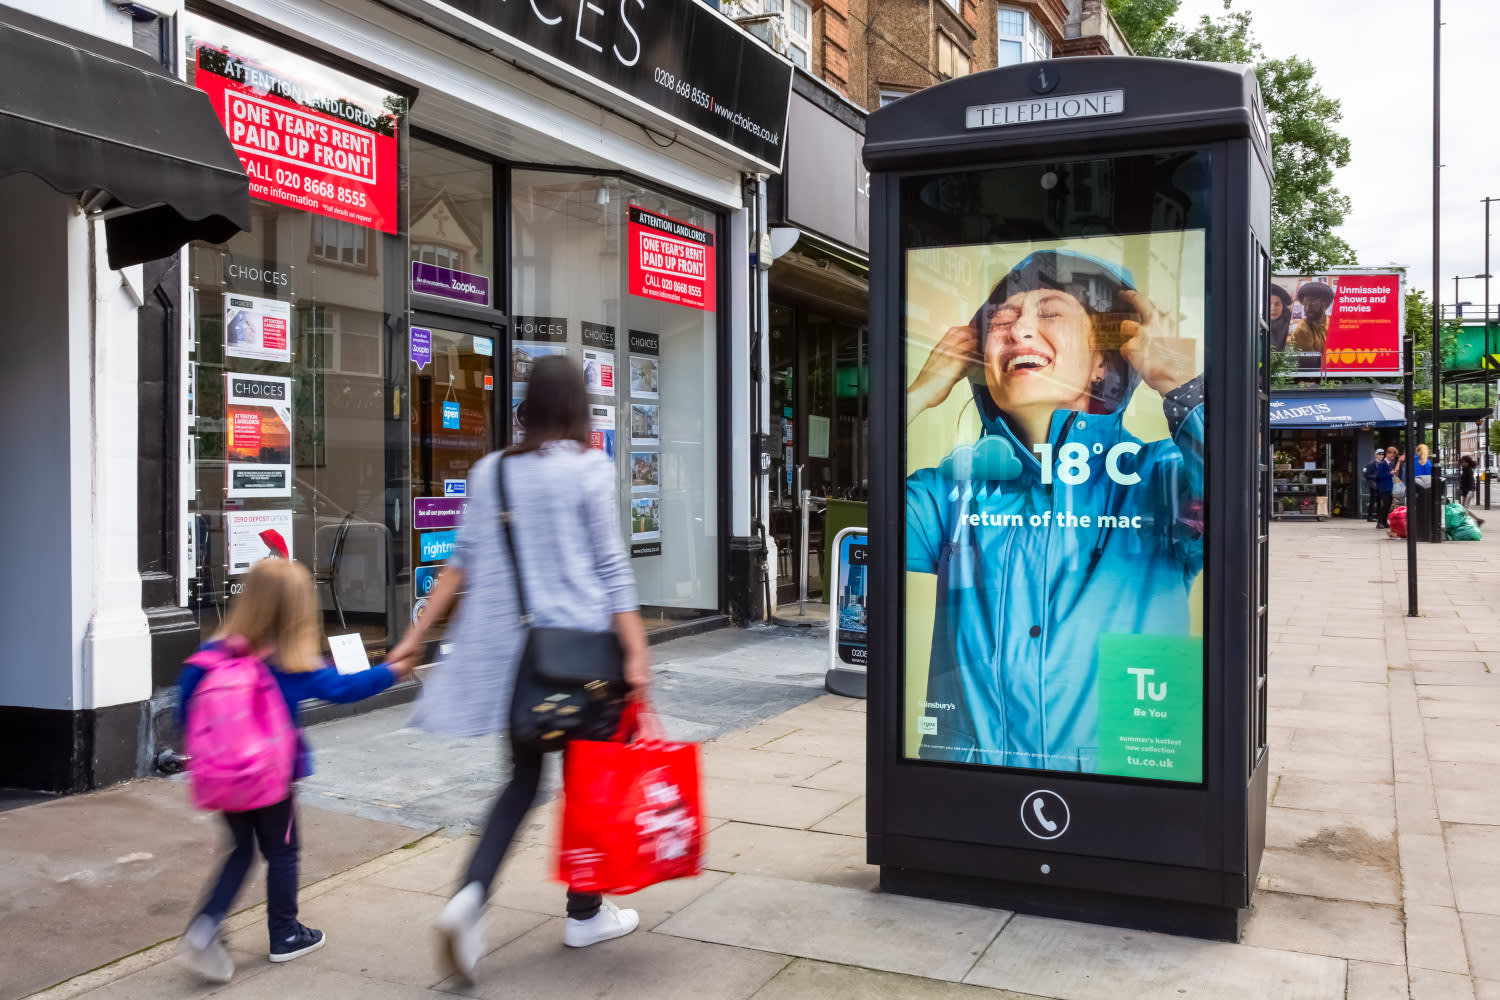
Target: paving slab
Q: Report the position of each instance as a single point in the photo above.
(1362, 872)
(1059, 958)
(849, 821)
(1295, 791)
(1339, 928)
(323, 982)
(119, 870)
(1434, 939)
(1474, 861)
(841, 776)
(850, 926)
(770, 805)
(1375, 981)
(1425, 984)
(801, 855)
(804, 979)
(1482, 938)
(641, 966)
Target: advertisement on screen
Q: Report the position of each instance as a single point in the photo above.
(1337, 324)
(1054, 511)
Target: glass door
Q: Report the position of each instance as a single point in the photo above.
(453, 421)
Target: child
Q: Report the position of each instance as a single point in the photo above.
(275, 617)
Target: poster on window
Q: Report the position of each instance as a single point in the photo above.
(645, 424)
(258, 447)
(602, 428)
(253, 535)
(309, 137)
(1054, 504)
(645, 471)
(599, 373)
(645, 377)
(257, 328)
(670, 260)
(645, 526)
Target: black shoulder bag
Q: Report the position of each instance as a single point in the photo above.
(570, 684)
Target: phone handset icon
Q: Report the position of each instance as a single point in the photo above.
(1045, 814)
(1041, 817)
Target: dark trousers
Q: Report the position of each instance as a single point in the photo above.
(1372, 504)
(514, 802)
(275, 829)
(1382, 510)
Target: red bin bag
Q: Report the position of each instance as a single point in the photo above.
(1397, 520)
(632, 809)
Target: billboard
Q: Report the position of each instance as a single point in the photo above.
(1338, 324)
(1054, 506)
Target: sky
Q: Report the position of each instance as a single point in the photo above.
(1375, 57)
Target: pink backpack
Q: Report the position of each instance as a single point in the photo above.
(240, 740)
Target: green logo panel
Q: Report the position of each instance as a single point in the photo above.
(1151, 706)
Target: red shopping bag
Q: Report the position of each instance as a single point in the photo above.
(1397, 520)
(632, 809)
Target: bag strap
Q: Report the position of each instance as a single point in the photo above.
(506, 518)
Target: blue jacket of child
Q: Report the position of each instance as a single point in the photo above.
(328, 684)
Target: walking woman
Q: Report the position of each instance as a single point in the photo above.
(561, 496)
(1419, 508)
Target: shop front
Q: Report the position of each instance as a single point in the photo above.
(429, 220)
(818, 352)
(1322, 440)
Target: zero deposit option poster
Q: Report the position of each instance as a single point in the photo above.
(308, 136)
(1054, 495)
(670, 260)
(254, 535)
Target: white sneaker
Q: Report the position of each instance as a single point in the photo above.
(203, 952)
(461, 937)
(610, 922)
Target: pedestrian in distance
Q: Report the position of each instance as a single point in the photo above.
(1372, 487)
(560, 495)
(1419, 505)
(1384, 487)
(238, 706)
(1466, 479)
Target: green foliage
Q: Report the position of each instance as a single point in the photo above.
(1306, 147)
(1495, 435)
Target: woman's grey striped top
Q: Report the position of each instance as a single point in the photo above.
(567, 531)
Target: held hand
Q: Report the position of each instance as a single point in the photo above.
(1151, 345)
(638, 672)
(946, 366)
(409, 649)
(402, 668)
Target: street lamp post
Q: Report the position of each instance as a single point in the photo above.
(1437, 249)
(1484, 426)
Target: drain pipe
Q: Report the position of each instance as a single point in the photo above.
(760, 387)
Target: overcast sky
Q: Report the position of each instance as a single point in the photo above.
(1375, 57)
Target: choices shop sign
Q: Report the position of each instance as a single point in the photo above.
(679, 57)
(309, 137)
(1338, 324)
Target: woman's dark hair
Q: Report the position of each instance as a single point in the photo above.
(557, 405)
(1281, 325)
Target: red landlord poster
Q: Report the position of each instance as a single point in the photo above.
(302, 139)
(670, 260)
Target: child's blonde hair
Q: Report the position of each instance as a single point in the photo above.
(277, 607)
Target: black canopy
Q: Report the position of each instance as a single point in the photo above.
(106, 123)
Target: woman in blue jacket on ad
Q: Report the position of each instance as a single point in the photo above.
(1058, 529)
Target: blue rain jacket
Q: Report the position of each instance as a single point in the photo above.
(1020, 609)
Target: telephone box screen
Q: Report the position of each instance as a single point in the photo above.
(1054, 507)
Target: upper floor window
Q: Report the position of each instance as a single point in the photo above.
(1019, 38)
(952, 61)
(957, 5)
(338, 242)
(892, 96)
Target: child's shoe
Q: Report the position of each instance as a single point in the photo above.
(303, 941)
(203, 952)
(461, 938)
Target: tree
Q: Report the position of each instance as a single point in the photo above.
(1495, 435)
(1306, 147)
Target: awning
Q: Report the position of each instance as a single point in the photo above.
(108, 125)
(1336, 410)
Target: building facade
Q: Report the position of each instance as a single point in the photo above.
(439, 195)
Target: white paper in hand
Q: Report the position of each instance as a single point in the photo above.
(349, 653)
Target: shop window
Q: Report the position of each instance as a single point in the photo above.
(623, 278)
(292, 447)
(452, 225)
(952, 60)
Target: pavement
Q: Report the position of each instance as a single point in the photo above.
(1381, 877)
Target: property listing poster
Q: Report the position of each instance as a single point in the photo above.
(253, 535)
(1054, 513)
(308, 136)
(257, 328)
(258, 450)
(599, 358)
(645, 443)
(536, 337)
